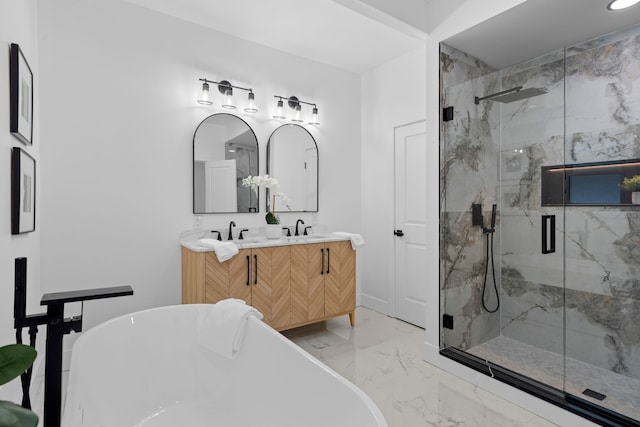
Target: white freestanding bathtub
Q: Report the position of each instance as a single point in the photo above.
(147, 369)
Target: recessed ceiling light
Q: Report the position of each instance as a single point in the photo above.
(621, 4)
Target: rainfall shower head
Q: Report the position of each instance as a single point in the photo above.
(511, 95)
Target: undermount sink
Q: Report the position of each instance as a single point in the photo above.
(250, 240)
(309, 237)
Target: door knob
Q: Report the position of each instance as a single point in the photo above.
(398, 233)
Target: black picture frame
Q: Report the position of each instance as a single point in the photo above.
(23, 192)
(21, 95)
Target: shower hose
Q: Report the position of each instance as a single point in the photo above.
(489, 235)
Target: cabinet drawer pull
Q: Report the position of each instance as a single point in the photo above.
(322, 263)
(248, 270)
(328, 260)
(255, 278)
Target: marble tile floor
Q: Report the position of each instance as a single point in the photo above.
(623, 393)
(383, 356)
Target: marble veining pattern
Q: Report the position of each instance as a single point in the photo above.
(383, 356)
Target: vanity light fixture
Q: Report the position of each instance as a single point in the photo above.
(297, 113)
(226, 88)
(228, 104)
(251, 108)
(621, 4)
(294, 103)
(204, 95)
(314, 116)
(279, 111)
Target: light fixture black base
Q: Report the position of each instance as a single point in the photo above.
(597, 414)
(224, 86)
(293, 102)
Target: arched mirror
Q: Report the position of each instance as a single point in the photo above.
(292, 158)
(225, 150)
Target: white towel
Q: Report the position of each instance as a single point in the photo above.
(356, 239)
(221, 326)
(223, 250)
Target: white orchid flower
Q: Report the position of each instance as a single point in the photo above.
(255, 182)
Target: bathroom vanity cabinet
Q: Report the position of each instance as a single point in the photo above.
(290, 284)
(323, 281)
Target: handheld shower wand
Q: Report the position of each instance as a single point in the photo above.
(489, 232)
(492, 228)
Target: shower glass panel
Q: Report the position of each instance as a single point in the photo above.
(469, 164)
(602, 243)
(551, 293)
(504, 286)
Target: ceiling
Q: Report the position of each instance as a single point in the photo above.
(358, 35)
(536, 27)
(348, 34)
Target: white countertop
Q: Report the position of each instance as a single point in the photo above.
(261, 242)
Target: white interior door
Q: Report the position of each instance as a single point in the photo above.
(410, 227)
(220, 186)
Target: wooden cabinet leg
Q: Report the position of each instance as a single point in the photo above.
(352, 318)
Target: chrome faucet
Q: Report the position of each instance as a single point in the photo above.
(231, 225)
(297, 223)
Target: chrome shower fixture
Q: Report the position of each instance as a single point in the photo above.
(513, 94)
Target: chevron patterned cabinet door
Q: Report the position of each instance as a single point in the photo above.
(307, 283)
(340, 278)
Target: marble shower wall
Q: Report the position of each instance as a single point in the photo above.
(494, 151)
(468, 174)
(600, 245)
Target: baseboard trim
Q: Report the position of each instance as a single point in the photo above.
(375, 304)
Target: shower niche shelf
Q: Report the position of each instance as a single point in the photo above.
(588, 184)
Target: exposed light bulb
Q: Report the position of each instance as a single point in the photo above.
(296, 115)
(621, 4)
(314, 117)
(204, 95)
(279, 111)
(228, 100)
(251, 108)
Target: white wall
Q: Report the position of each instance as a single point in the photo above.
(17, 25)
(392, 95)
(119, 85)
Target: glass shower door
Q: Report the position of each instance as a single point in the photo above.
(603, 233)
(502, 287)
(531, 224)
(469, 156)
